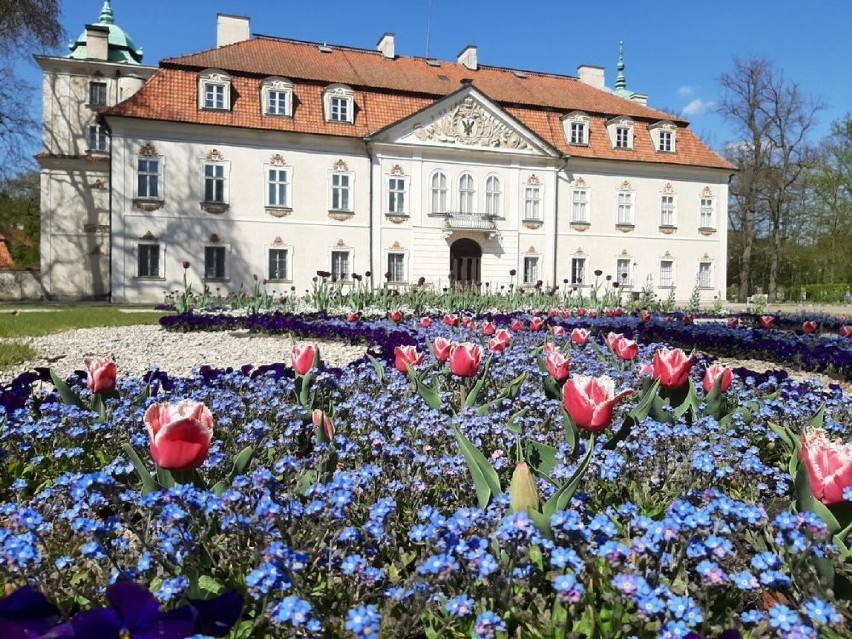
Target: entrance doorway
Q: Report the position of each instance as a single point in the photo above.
(466, 262)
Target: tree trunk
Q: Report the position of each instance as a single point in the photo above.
(774, 262)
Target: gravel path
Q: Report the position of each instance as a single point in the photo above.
(136, 349)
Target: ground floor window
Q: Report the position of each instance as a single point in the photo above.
(278, 266)
(341, 265)
(531, 270)
(622, 271)
(214, 262)
(396, 268)
(148, 263)
(666, 273)
(705, 275)
(578, 270)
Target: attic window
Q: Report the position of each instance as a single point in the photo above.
(664, 134)
(324, 48)
(339, 103)
(444, 78)
(433, 63)
(214, 90)
(277, 96)
(521, 74)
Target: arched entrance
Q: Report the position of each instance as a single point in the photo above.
(466, 261)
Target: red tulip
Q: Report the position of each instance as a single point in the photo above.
(766, 321)
(442, 348)
(622, 347)
(809, 327)
(396, 316)
(496, 345)
(179, 434)
(101, 375)
(618, 311)
(320, 417)
(504, 336)
(644, 315)
(647, 370)
(845, 331)
(468, 323)
(425, 322)
(488, 329)
(566, 313)
(552, 312)
(733, 322)
(549, 347)
(558, 331)
(608, 312)
(351, 316)
(829, 465)
(517, 325)
(713, 372)
(536, 324)
(581, 312)
(302, 359)
(534, 313)
(591, 400)
(406, 355)
(465, 358)
(451, 319)
(593, 313)
(580, 336)
(557, 366)
(672, 367)
(688, 320)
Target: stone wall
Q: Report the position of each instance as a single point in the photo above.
(20, 286)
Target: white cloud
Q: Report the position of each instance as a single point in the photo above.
(696, 107)
(685, 91)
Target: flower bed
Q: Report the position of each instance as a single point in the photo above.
(485, 490)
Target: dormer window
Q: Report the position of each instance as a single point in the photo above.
(214, 90)
(622, 137)
(276, 97)
(621, 132)
(339, 104)
(663, 135)
(576, 128)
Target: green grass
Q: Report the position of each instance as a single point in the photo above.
(14, 353)
(54, 320)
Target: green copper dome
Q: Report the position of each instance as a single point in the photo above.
(121, 46)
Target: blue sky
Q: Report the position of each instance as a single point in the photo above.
(675, 50)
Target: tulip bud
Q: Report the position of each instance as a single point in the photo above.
(323, 424)
(522, 490)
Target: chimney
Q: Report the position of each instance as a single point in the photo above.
(641, 98)
(97, 42)
(386, 46)
(468, 57)
(231, 29)
(591, 75)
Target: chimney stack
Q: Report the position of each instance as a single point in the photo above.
(97, 42)
(231, 29)
(387, 46)
(591, 75)
(468, 57)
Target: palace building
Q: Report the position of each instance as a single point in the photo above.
(274, 158)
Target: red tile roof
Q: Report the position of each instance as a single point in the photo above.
(388, 90)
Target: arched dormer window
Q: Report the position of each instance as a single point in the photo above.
(576, 128)
(214, 90)
(339, 104)
(663, 135)
(276, 96)
(620, 132)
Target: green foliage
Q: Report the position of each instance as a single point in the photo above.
(20, 220)
(14, 353)
(824, 293)
(44, 322)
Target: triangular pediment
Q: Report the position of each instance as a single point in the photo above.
(466, 119)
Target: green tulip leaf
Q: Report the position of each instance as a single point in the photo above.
(67, 396)
(805, 501)
(429, 395)
(242, 461)
(572, 433)
(473, 395)
(165, 478)
(552, 390)
(818, 419)
(560, 499)
(542, 458)
(513, 424)
(149, 484)
(380, 370)
(485, 478)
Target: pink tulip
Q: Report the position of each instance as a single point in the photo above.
(465, 359)
(552, 312)
(845, 331)
(496, 345)
(618, 311)
(396, 316)
(488, 329)
(504, 336)
(609, 312)
(517, 325)
(809, 327)
(688, 320)
(536, 324)
(549, 347)
(623, 348)
(829, 465)
(320, 417)
(766, 321)
(557, 366)
(733, 322)
(580, 336)
(566, 313)
(558, 331)
(425, 322)
(442, 348)
(179, 434)
(591, 400)
(407, 355)
(352, 316)
(101, 375)
(302, 359)
(468, 323)
(451, 320)
(593, 313)
(713, 372)
(672, 367)
(581, 312)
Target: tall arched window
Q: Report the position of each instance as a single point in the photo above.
(439, 192)
(492, 196)
(467, 194)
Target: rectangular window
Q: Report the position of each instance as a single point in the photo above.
(706, 213)
(665, 141)
(340, 109)
(666, 273)
(149, 260)
(341, 191)
(625, 208)
(705, 279)
(278, 264)
(530, 270)
(578, 270)
(580, 206)
(148, 178)
(97, 94)
(396, 195)
(532, 203)
(276, 103)
(667, 210)
(622, 271)
(622, 138)
(214, 96)
(98, 139)
(214, 263)
(340, 270)
(578, 133)
(396, 268)
(278, 187)
(214, 183)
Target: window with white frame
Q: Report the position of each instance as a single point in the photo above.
(278, 103)
(625, 207)
(667, 210)
(215, 182)
(575, 126)
(341, 192)
(622, 137)
(214, 90)
(663, 135)
(278, 264)
(277, 97)
(578, 133)
(278, 186)
(492, 196)
(706, 213)
(215, 262)
(705, 275)
(620, 131)
(467, 194)
(666, 273)
(622, 272)
(531, 270)
(341, 265)
(396, 195)
(98, 138)
(339, 103)
(396, 268)
(580, 206)
(148, 177)
(578, 270)
(439, 192)
(148, 260)
(666, 141)
(532, 202)
(97, 93)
